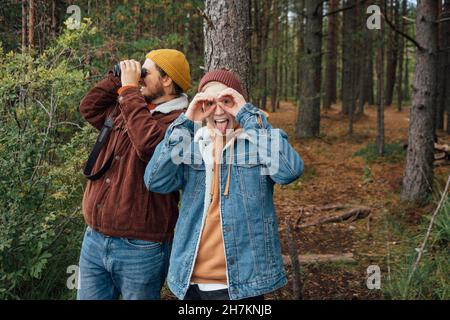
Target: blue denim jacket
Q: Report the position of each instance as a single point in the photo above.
(249, 225)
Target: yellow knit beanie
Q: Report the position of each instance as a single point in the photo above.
(174, 64)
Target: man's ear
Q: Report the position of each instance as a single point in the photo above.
(167, 81)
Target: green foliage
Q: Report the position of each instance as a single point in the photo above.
(367, 177)
(394, 152)
(430, 280)
(42, 150)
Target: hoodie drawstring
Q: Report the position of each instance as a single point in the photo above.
(230, 160)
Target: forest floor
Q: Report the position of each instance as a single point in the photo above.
(334, 175)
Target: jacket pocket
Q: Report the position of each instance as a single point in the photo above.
(195, 180)
(250, 180)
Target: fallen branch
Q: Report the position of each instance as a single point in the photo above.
(321, 258)
(352, 215)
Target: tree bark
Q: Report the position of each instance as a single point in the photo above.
(24, 25)
(227, 38)
(401, 53)
(381, 93)
(54, 23)
(274, 84)
(348, 95)
(418, 177)
(264, 55)
(300, 37)
(446, 34)
(392, 55)
(331, 61)
(443, 60)
(308, 122)
(31, 24)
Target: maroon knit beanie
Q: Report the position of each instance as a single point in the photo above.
(223, 76)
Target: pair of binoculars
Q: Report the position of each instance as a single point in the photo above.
(117, 72)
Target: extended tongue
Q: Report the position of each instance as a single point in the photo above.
(222, 126)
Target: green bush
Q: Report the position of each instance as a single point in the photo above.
(43, 145)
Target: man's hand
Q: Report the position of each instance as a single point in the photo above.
(236, 103)
(200, 107)
(130, 72)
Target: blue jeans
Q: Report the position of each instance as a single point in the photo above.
(111, 267)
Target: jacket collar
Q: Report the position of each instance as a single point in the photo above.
(204, 139)
(179, 103)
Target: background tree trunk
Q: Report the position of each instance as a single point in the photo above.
(275, 51)
(31, 24)
(347, 93)
(265, 22)
(446, 35)
(54, 22)
(300, 37)
(418, 178)
(392, 53)
(443, 77)
(24, 25)
(308, 122)
(401, 53)
(331, 61)
(227, 38)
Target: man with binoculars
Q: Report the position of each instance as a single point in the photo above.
(127, 243)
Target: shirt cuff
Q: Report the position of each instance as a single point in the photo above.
(124, 88)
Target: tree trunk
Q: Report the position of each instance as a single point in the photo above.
(284, 87)
(392, 56)
(255, 23)
(227, 38)
(331, 61)
(348, 95)
(443, 77)
(300, 37)
(406, 76)
(31, 24)
(381, 89)
(401, 53)
(274, 83)
(361, 70)
(380, 106)
(418, 178)
(446, 33)
(264, 54)
(54, 23)
(24, 25)
(308, 122)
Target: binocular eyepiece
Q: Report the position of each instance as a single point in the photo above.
(117, 72)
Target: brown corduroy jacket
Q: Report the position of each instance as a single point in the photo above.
(118, 204)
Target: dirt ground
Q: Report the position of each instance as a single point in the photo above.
(333, 175)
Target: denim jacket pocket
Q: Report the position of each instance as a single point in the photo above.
(250, 179)
(195, 179)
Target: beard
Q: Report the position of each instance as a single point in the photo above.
(154, 93)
